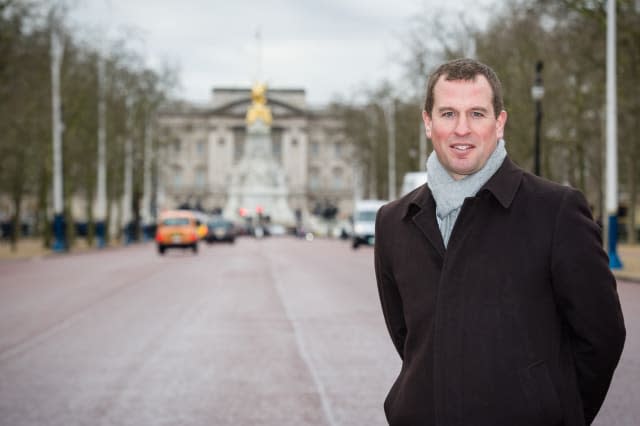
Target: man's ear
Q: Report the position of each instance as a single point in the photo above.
(501, 121)
(427, 123)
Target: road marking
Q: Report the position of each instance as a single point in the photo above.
(302, 348)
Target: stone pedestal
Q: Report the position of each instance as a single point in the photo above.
(258, 182)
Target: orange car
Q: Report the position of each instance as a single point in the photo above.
(177, 229)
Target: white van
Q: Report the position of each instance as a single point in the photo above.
(364, 221)
(412, 180)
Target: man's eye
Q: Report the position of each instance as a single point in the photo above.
(477, 114)
(447, 114)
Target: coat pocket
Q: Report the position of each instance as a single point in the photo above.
(541, 394)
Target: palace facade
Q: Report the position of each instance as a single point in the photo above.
(201, 145)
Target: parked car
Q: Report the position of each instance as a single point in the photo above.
(220, 229)
(364, 221)
(275, 229)
(177, 229)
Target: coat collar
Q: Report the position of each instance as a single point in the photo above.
(504, 183)
(421, 206)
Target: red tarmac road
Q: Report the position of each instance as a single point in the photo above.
(272, 332)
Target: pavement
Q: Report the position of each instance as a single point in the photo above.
(29, 248)
(630, 258)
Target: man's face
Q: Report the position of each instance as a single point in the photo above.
(462, 126)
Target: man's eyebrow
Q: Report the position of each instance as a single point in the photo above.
(476, 108)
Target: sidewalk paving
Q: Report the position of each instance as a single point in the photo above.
(29, 248)
(630, 258)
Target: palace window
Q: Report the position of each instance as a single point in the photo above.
(315, 149)
(238, 150)
(201, 178)
(177, 178)
(337, 149)
(337, 179)
(276, 146)
(314, 178)
(200, 147)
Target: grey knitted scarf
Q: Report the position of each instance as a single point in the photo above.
(450, 193)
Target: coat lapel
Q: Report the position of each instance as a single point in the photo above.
(422, 211)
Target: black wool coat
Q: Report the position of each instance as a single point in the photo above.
(516, 323)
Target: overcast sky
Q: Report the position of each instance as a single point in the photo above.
(328, 47)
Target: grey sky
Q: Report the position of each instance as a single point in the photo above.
(327, 47)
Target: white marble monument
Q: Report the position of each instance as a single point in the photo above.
(258, 182)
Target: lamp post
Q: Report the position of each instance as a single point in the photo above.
(57, 51)
(612, 142)
(537, 93)
(101, 191)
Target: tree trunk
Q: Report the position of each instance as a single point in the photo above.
(631, 210)
(16, 196)
(582, 166)
(15, 221)
(43, 225)
(91, 227)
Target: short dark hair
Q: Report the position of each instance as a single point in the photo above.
(465, 69)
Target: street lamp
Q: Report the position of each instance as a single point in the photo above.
(57, 52)
(537, 93)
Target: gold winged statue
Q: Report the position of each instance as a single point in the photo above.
(259, 108)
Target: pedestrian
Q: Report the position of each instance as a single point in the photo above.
(493, 282)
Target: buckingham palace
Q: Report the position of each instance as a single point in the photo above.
(211, 153)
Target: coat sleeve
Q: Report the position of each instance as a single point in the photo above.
(587, 298)
(387, 289)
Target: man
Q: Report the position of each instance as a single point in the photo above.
(494, 286)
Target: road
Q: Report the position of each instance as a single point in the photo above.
(272, 332)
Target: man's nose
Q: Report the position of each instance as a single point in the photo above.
(462, 125)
